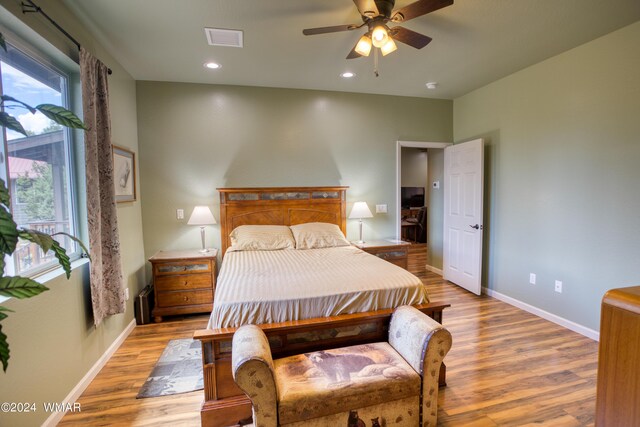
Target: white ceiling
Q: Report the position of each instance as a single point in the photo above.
(474, 42)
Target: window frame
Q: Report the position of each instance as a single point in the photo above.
(73, 142)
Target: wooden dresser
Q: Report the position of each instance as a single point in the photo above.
(183, 282)
(618, 396)
(394, 251)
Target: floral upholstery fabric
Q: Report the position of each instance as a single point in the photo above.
(423, 342)
(396, 413)
(313, 385)
(252, 369)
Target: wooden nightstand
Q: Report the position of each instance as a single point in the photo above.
(183, 282)
(394, 251)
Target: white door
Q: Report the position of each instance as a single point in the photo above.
(462, 240)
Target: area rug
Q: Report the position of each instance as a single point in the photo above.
(179, 370)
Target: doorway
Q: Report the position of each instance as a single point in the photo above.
(427, 152)
(458, 254)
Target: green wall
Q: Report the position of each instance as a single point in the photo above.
(194, 138)
(435, 202)
(52, 337)
(561, 175)
(414, 167)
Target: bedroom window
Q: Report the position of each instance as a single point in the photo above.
(37, 168)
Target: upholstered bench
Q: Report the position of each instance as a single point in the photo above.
(391, 383)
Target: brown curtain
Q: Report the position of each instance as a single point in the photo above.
(107, 291)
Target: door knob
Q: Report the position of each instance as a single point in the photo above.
(476, 227)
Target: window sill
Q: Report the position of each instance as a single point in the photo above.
(53, 274)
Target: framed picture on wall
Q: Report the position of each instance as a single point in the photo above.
(124, 174)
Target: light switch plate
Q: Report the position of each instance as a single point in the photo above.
(179, 213)
(381, 208)
(532, 278)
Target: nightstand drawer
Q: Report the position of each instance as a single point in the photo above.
(184, 267)
(183, 282)
(395, 252)
(389, 255)
(400, 262)
(174, 299)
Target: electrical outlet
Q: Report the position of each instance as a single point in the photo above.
(381, 208)
(179, 213)
(558, 286)
(126, 294)
(532, 278)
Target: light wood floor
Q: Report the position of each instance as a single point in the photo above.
(506, 368)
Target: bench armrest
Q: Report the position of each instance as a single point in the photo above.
(252, 369)
(423, 343)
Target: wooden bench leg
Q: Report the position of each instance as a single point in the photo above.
(442, 377)
(225, 412)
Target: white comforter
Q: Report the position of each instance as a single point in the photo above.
(275, 286)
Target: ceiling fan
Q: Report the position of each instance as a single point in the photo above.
(375, 15)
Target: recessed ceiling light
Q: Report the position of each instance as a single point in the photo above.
(212, 65)
(348, 75)
(432, 85)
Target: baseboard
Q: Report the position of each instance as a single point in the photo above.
(433, 269)
(75, 393)
(582, 330)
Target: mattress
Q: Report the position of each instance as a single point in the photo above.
(257, 287)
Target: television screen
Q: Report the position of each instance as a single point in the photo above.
(412, 197)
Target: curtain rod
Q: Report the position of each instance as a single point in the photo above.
(31, 7)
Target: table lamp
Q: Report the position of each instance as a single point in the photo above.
(360, 210)
(202, 216)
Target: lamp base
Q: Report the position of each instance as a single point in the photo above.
(204, 251)
(361, 241)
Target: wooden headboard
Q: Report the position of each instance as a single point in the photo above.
(280, 206)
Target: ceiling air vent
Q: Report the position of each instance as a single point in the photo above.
(220, 37)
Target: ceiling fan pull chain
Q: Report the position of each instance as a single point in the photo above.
(375, 62)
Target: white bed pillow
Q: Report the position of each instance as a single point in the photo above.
(315, 235)
(261, 238)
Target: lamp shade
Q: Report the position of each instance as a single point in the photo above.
(201, 215)
(364, 45)
(388, 47)
(379, 36)
(360, 210)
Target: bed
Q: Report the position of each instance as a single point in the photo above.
(256, 287)
(304, 300)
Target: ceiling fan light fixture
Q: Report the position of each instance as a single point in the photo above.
(379, 36)
(388, 47)
(364, 45)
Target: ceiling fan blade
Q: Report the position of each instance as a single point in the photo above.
(367, 8)
(409, 37)
(419, 8)
(324, 30)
